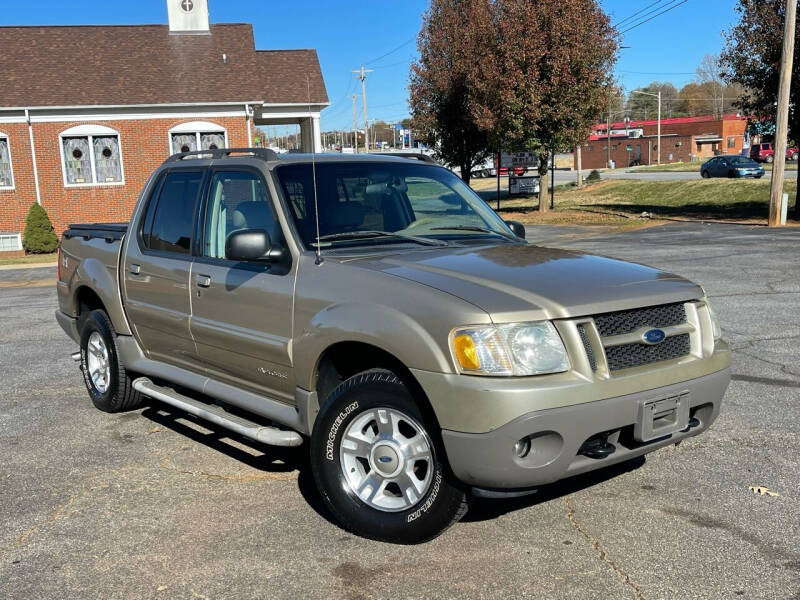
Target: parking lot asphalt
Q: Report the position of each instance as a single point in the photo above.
(150, 504)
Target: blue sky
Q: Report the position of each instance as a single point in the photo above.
(380, 33)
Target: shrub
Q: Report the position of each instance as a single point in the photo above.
(593, 177)
(39, 236)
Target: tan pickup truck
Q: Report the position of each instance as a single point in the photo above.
(376, 309)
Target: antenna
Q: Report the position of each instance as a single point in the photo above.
(318, 260)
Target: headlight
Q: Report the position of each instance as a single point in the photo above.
(716, 330)
(514, 349)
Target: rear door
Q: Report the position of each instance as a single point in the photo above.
(242, 311)
(157, 266)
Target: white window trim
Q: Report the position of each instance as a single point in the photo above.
(18, 236)
(13, 185)
(90, 131)
(196, 127)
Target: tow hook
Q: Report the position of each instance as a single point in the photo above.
(597, 448)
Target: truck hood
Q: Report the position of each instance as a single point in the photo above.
(525, 282)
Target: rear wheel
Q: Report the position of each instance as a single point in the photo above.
(379, 464)
(109, 384)
(770, 158)
(793, 156)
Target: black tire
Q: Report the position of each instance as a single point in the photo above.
(442, 504)
(794, 156)
(118, 394)
(705, 174)
(770, 158)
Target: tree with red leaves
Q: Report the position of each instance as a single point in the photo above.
(453, 35)
(523, 75)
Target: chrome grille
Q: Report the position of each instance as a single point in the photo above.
(625, 321)
(634, 355)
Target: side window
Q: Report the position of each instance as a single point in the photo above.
(168, 221)
(237, 200)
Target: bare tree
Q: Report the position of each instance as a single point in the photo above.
(710, 72)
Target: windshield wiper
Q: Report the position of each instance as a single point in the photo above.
(373, 233)
(470, 228)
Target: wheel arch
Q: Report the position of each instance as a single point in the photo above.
(343, 359)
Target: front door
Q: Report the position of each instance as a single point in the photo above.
(157, 269)
(242, 311)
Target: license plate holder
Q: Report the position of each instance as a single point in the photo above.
(661, 417)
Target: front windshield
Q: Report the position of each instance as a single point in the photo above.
(406, 198)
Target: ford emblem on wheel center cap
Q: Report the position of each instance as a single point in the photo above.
(653, 336)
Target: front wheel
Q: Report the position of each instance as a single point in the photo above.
(770, 158)
(705, 174)
(379, 464)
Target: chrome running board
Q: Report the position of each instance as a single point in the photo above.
(216, 414)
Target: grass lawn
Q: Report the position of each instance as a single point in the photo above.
(30, 259)
(622, 202)
(694, 167)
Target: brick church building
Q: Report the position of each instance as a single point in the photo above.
(87, 112)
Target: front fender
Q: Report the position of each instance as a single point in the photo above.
(379, 325)
(102, 280)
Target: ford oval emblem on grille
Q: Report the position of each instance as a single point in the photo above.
(653, 336)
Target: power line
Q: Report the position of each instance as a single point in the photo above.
(638, 12)
(666, 10)
(406, 43)
(660, 72)
(394, 64)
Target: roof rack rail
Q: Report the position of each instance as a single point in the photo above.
(412, 155)
(262, 153)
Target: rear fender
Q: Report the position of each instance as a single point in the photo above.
(102, 280)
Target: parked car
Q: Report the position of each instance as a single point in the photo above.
(766, 152)
(377, 311)
(485, 169)
(731, 165)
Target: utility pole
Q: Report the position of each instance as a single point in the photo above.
(580, 170)
(776, 187)
(608, 138)
(355, 125)
(362, 75)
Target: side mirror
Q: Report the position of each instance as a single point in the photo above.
(252, 244)
(517, 228)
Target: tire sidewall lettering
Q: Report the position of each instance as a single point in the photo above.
(417, 513)
(334, 430)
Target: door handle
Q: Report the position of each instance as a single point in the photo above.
(135, 269)
(203, 281)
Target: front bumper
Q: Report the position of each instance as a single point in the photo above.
(488, 460)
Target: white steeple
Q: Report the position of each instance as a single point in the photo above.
(188, 16)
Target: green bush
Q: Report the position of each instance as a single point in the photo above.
(39, 236)
(593, 176)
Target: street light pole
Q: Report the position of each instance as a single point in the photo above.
(658, 132)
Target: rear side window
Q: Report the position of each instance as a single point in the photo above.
(169, 218)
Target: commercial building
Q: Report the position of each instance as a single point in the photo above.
(683, 139)
(87, 112)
